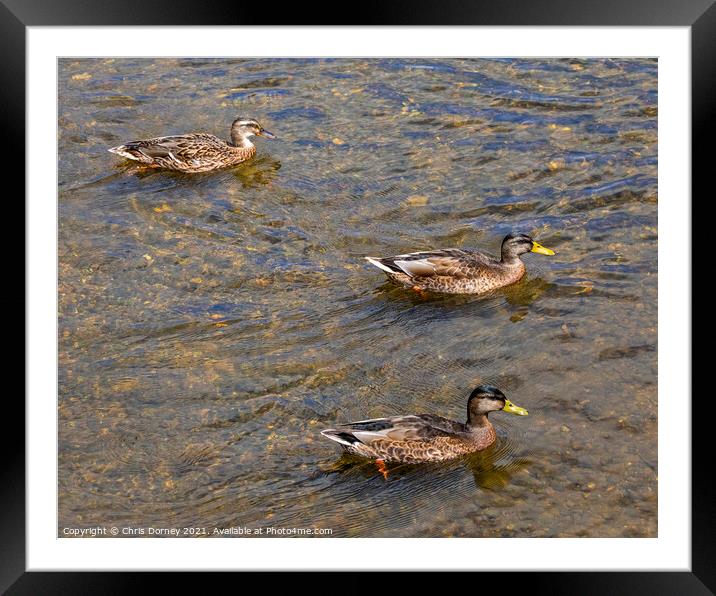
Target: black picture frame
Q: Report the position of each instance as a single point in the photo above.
(17, 15)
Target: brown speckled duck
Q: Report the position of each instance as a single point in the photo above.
(425, 437)
(460, 271)
(196, 152)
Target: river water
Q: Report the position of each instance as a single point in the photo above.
(211, 325)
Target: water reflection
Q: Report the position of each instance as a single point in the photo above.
(259, 171)
(491, 469)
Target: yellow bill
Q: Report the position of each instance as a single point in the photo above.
(537, 247)
(512, 408)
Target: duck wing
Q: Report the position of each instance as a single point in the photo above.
(179, 148)
(448, 262)
(423, 427)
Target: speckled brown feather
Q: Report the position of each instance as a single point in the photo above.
(452, 271)
(191, 153)
(414, 452)
(412, 439)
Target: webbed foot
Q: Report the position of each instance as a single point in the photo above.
(380, 464)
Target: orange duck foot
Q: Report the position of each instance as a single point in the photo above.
(380, 464)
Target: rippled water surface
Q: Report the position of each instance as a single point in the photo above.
(211, 325)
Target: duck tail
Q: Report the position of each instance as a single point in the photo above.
(124, 151)
(381, 264)
(132, 150)
(340, 436)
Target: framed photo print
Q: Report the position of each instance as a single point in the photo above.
(408, 294)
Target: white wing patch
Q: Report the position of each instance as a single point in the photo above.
(369, 420)
(420, 267)
(366, 436)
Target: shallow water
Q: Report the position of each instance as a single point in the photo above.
(211, 325)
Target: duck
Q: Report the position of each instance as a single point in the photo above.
(424, 438)
(460, 271)
(196, 152)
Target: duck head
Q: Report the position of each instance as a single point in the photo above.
(515, 245)
(243, 128)
(488, 398)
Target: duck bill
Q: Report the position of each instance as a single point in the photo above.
(265, 133)
(513, 409)
(537, 247)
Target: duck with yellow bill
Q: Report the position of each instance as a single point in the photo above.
(426, 437)
(460, 271)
